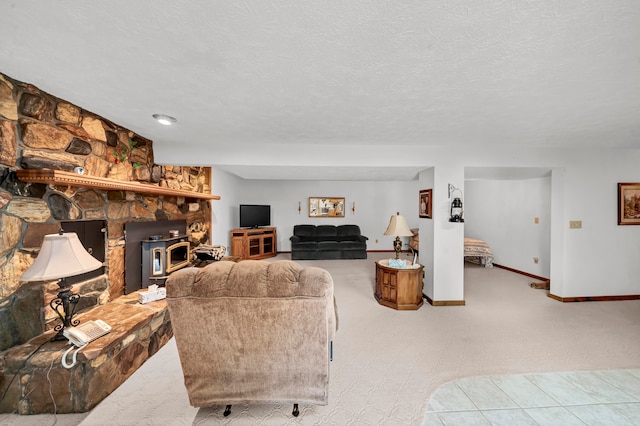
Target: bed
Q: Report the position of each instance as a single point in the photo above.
(478, 251)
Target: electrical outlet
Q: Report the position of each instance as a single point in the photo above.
(575, 224)
(535, 260)
(536, 220)
(376, 241)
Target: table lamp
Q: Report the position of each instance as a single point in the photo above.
(62, 255)
(398, 227)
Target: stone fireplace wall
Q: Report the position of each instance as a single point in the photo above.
(40, 131)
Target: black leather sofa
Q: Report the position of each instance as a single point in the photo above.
(328, 242)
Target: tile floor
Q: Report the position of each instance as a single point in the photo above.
(606, 397)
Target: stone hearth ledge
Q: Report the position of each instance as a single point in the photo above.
(138, 331)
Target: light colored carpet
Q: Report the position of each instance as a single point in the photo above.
(387, 363)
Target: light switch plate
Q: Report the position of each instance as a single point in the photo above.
(575, 224)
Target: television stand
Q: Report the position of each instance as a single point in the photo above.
(253, 243)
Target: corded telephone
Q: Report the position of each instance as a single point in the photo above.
(81, 336)
(86, 332)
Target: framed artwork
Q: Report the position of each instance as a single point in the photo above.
(425, 203)
(326, 207)
(629, 203)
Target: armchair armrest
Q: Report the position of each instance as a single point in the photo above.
(294, 239)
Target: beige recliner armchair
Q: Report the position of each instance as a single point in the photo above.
(253, 332)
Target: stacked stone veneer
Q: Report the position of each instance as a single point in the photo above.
(33, 380)
(40, 131)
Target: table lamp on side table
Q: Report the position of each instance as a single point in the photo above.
(62, 255)
(398, 227)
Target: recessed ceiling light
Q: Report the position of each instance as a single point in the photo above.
(167, 120)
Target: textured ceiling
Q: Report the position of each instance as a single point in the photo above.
(293, 76)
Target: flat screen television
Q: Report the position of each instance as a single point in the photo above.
(254, 215)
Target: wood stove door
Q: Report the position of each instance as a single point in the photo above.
(175, 262)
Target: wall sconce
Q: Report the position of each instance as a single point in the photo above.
(456, 205)
(353, 208)
(299, 207)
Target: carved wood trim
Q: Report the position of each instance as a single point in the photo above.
(57, 177)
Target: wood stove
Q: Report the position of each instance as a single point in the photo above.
(139, 270)
(163, 255)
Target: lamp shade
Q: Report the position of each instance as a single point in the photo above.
(398, 227)
(61, 255)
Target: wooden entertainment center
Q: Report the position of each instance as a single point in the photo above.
(253, 243)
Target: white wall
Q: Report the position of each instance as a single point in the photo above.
(448, 237)
(375, 203)
(602, 257)
(502, 213)
(598, 260)
(224, 212)
(427, 180)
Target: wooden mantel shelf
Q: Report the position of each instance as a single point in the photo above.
(57, 177)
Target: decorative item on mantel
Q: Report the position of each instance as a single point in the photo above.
(62, 255)
(398, 227)
(122, 152)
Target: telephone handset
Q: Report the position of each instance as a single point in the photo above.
(86, 332)
(81, 336)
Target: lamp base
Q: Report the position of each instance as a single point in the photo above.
(397, 246)
(65, 306)
(59, 336)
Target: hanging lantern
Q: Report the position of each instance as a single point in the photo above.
(456, 210)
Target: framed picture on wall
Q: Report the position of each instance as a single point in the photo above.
(425, 203)
(629, 203)
(326, 207)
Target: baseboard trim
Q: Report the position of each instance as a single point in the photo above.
(594, 298)
(537, 277)
(443, 302)
(572, 299)
(368, 251)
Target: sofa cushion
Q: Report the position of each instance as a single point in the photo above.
(324, 231)
(305, 245)
(328, 245)
(348, 230)
(307, 239)
(304, 230)
(352, 245)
